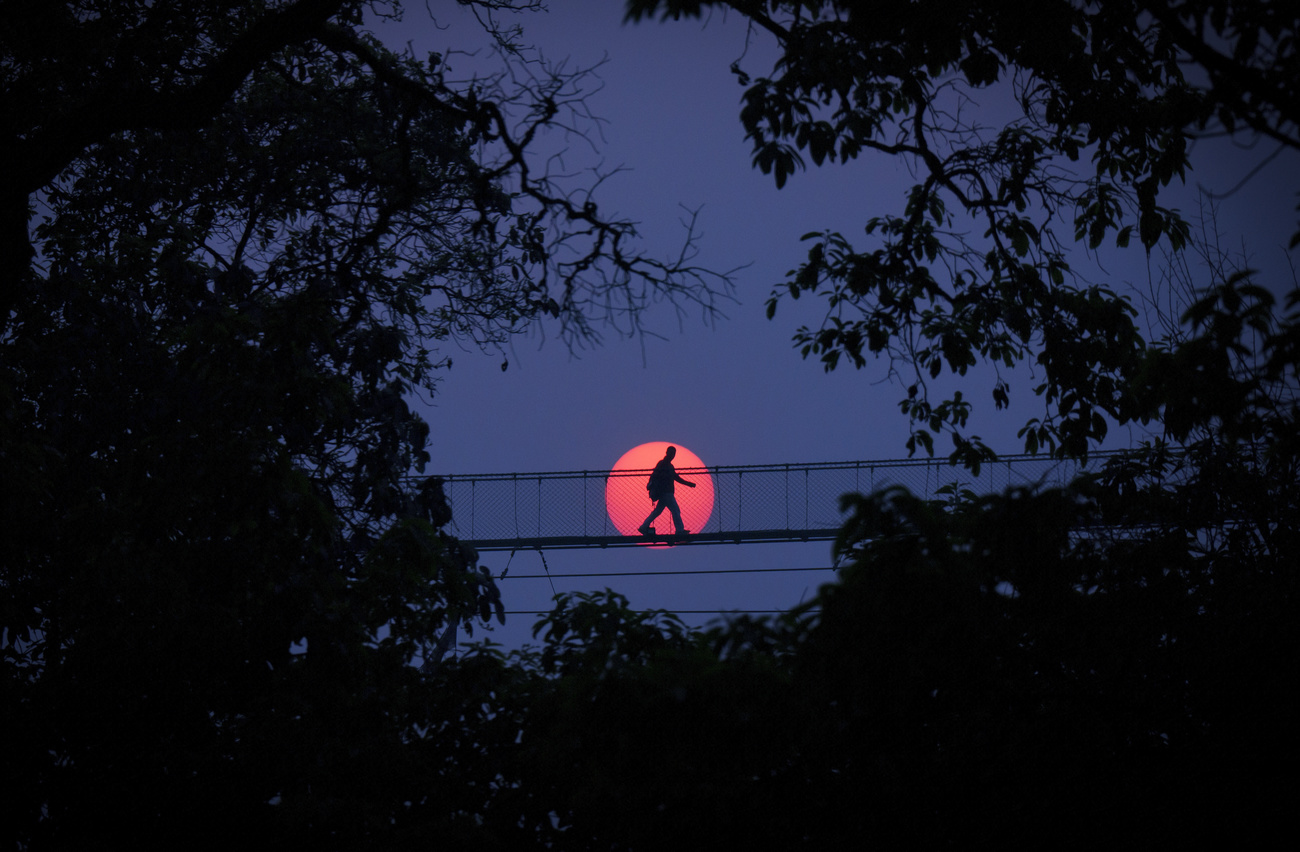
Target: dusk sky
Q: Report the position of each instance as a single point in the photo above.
(736, 393)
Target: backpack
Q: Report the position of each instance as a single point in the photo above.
(659, 482)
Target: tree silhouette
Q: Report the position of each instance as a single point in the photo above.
(1096, 105)
(1105, 664)
(233, 238)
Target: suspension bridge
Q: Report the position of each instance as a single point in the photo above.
(750, 503)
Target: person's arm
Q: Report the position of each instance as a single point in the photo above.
(677, 476)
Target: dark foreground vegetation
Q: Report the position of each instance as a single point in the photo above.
(233, 238)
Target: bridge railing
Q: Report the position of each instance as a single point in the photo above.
(795, 501)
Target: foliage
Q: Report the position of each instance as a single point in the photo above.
(1082, 680)
(218, 588)
(234, 238)
(1105, 664)
(1029, 126)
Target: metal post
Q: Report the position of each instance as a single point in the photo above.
(740, 498)
(717, 497)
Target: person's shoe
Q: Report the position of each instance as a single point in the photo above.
(683, 532)
(645, 530)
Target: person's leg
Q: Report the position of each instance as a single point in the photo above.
(644, 529)
(677, 515)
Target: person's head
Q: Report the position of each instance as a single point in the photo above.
(670, 452)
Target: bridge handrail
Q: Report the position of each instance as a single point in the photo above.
(778, 467)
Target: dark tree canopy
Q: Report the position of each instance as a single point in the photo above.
(235, 238)
(1089, 110)
(1109, 664)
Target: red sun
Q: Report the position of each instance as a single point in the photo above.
(629, 503)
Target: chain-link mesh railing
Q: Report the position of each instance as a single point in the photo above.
(749, 502)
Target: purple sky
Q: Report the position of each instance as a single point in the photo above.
(737, 393)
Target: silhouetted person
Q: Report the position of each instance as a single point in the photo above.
(662, 488)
